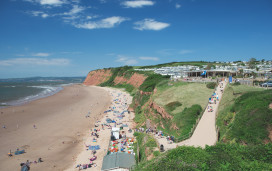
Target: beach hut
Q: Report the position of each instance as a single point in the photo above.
(115, 132)
(118, 162)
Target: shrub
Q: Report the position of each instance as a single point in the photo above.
(211, 85)
(236, 84)
(151, 142)
(173, 105)
(151, 81)
(218, 157)
(156, 153)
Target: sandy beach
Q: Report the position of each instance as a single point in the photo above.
(120, 102)
(61, 123)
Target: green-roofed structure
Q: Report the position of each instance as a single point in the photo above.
(118, 161)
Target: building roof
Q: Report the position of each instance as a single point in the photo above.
(118, 160)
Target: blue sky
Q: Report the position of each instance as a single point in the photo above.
(72, 37)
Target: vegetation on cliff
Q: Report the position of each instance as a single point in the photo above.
(245, 118)
(218, 157)
(244, 121)
(172, 64)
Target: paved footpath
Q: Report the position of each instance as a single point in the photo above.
(205, 132)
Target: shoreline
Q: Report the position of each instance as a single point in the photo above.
(124, 100)
(61, 127)
(28, 99)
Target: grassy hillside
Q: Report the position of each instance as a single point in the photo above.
(187, 94)
(244, 115)
(244, 119)
(218, 157)
(172, 64)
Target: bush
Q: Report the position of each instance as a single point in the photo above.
(151, 142)
(252, 118)
(129, 88)
(173, 105)
(236, 84)
(187, 119)
(156, 153)
(218, 157)
(151, 81)
(211, 85)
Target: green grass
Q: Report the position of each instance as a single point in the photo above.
(218, 157)
(243, 115)
(129, 88)
(252, 118)
(173, 64)
(116, 72)
(151, 81)
(187, 94)
(186, 120)
(146, 144)
(185, 102)
(240, 89)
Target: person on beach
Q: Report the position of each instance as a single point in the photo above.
(34, 126)
(4, 126)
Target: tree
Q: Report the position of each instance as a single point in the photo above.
(209, 66)
(241, 71)
(252, 63)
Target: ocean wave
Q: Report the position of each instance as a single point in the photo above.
(10, 86)
(48, 91)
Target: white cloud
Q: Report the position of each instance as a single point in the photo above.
(76, 9)
(137, 3)
(150, 24)
(183, 52)
(38, 13)
(178, 6)
(49, 2)
(52, 2)
(35, 61)
(126, 60)
(149, 58)
(41, 54)
(109, 22)
(45, 15)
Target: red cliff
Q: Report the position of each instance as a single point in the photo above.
(160, 110)
(135, 80)
(97, 77)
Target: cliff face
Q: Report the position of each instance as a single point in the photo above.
(97, 77)
(160, 110)
(135, 80)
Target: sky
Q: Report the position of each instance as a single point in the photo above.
(73, 37)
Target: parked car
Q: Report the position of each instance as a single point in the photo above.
(267, 84)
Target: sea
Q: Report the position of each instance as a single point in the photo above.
(19, 91)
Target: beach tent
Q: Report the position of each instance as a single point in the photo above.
(109, 120)
(118, 161)
(115, 132)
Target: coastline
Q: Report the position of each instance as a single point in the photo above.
(124, 100)
(47, 92)
(61, 125)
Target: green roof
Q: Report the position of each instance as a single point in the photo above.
(118, 160)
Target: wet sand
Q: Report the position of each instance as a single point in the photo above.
(61, 125)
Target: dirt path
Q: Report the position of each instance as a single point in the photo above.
(205, 132)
